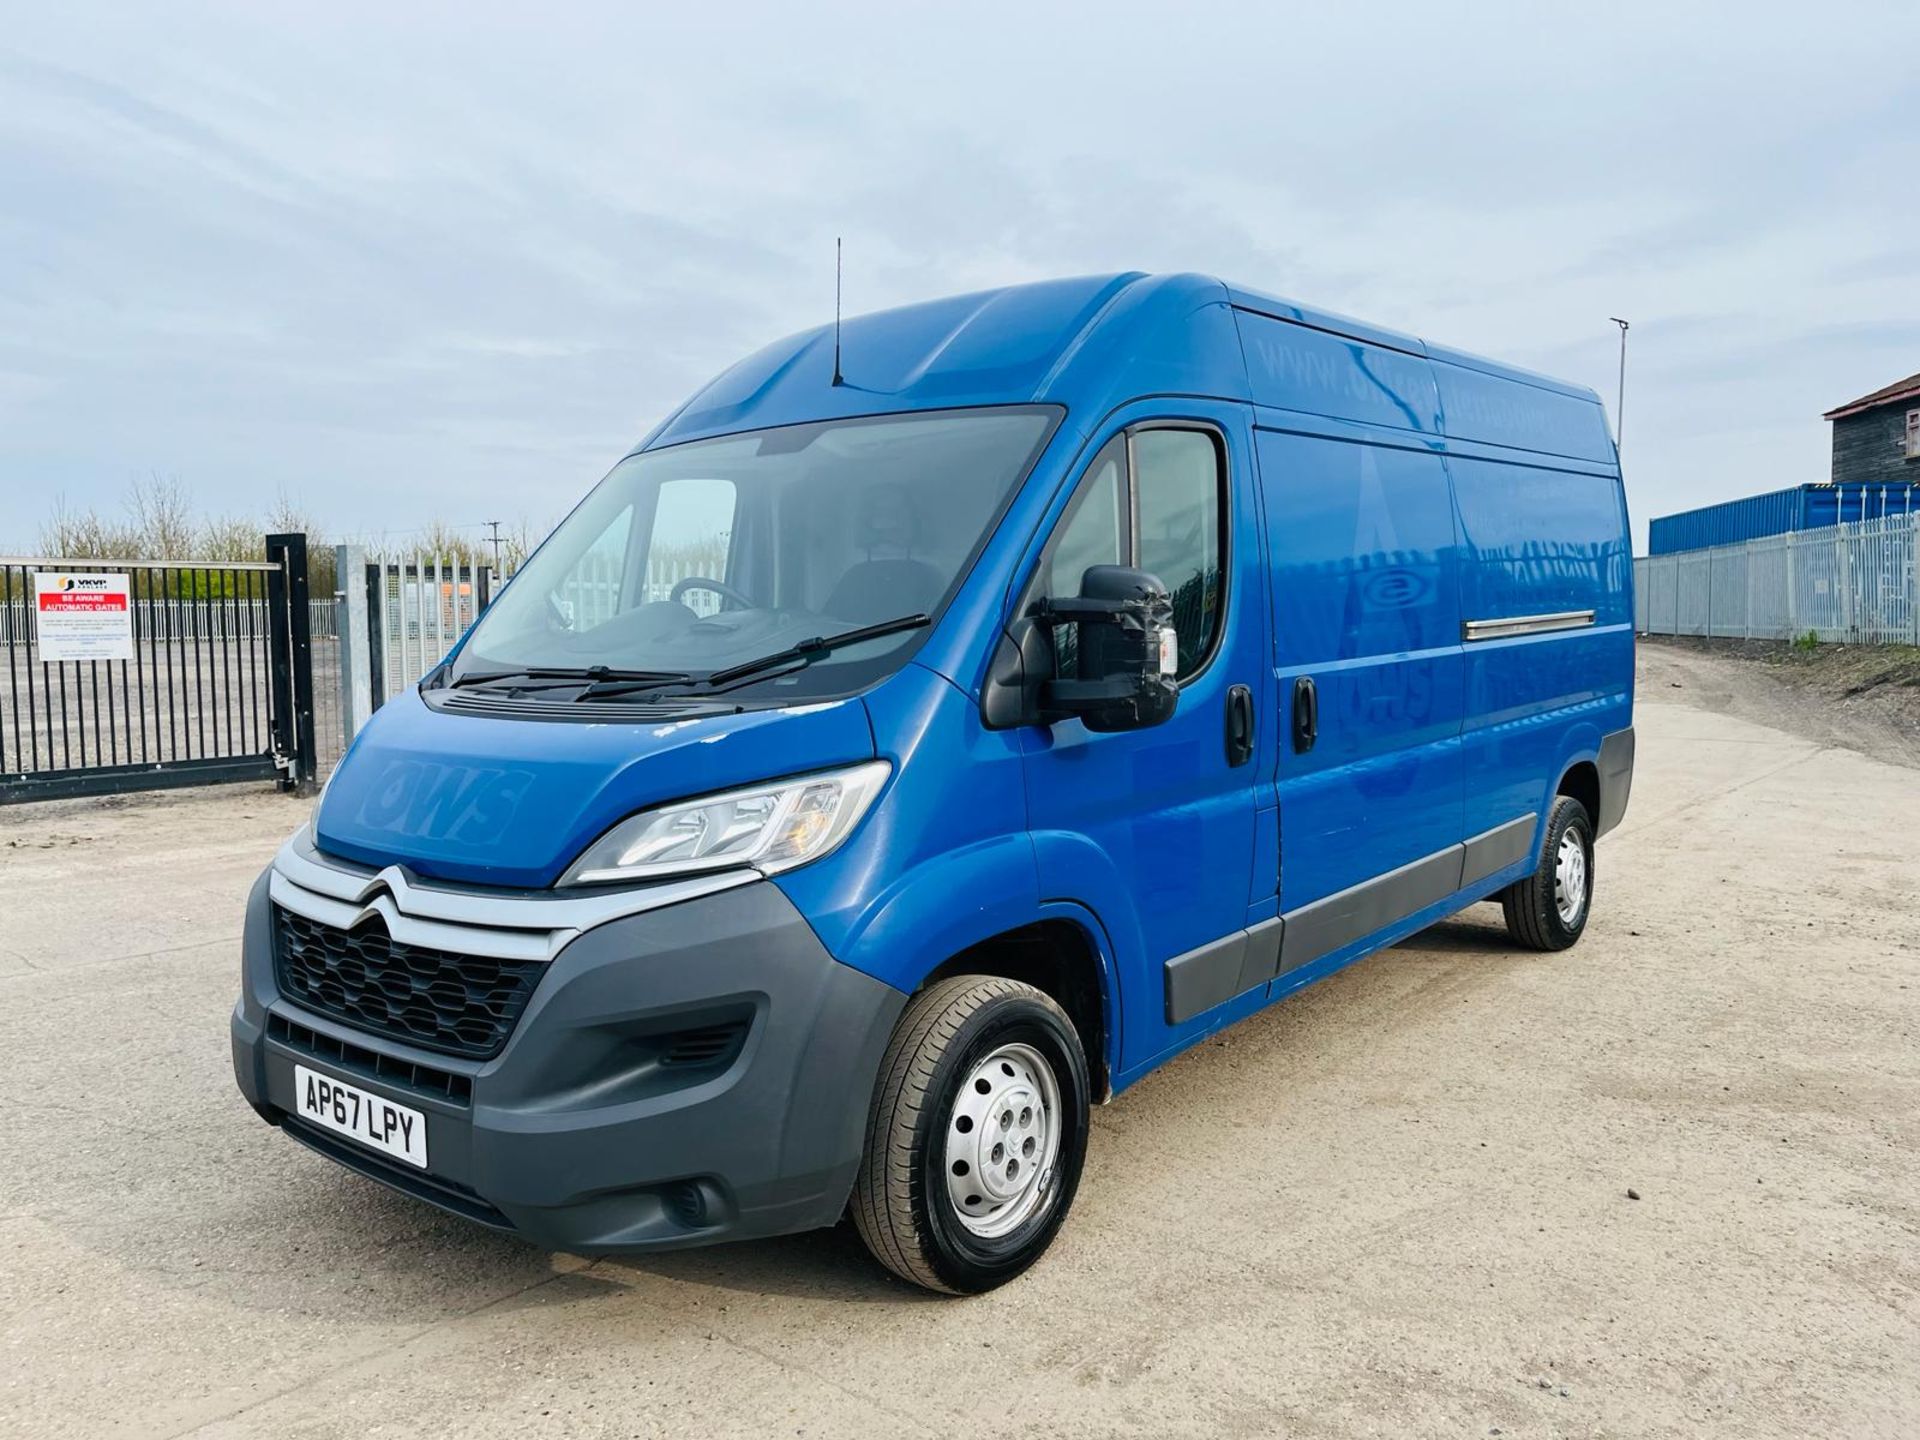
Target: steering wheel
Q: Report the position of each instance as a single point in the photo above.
(718, 587)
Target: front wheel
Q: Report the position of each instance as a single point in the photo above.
(1548, 910)
(977, 1137)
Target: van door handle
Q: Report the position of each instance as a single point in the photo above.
(1239, 725)
(1306, 714)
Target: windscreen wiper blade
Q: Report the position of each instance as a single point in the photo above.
(562, 675)
(808, 651)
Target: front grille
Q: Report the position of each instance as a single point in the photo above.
(459, 1004)
(371, 1064)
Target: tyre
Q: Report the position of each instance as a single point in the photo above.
(977, 1137)
(1548, 910)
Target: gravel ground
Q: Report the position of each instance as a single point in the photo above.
(1864, 697)
(1399, 1204)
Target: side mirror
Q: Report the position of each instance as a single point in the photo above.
(1120, 673)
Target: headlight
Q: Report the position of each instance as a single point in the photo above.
(770, 828)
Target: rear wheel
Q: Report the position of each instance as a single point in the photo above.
(977, 1137)
(1548, 910)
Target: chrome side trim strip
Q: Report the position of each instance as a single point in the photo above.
(1525, 625)
(508, 925)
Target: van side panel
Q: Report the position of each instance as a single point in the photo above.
(1539, 542)
(1361, 539)
(1493, 405)
(1291, 367)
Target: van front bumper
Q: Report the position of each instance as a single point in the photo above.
(692, 1074)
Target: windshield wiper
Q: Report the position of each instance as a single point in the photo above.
(808, 651)
(606, 683)
(562, 676)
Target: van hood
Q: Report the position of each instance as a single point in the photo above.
(513, 802)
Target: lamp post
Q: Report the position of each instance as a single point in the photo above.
(1620, 401)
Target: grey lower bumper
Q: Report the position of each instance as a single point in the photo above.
(575, 1135)
(1616, 778)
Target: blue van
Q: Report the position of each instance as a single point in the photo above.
(925, 733)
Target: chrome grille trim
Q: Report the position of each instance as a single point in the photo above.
(515, 925)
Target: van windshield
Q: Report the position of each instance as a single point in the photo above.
(699, 558)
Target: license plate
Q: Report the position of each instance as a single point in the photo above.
(350, 1111)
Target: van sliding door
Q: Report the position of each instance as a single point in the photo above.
(1368, 656)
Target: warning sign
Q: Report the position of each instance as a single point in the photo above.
(83, 617)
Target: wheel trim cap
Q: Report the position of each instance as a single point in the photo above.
(1570, 874)
(1003, 1141)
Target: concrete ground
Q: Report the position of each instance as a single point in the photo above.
(1395, 1205)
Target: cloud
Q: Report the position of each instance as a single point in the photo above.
(411, 263)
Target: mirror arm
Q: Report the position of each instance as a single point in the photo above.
(1078, 610)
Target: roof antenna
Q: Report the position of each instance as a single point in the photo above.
(838, 379)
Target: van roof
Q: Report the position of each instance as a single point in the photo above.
(1085, 342)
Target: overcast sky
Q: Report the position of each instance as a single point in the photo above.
(413, 262)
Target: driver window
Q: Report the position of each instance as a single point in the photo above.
(692, 534)
(1162, 514)
(1177, 482)
(1092, 532)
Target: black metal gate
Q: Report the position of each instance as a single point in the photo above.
(213, 680)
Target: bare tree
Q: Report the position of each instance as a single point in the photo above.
(451, 544)
(229, 537)
(160, 511)
(517, 541)
(161, 524)
(287, 517)
(86, 535)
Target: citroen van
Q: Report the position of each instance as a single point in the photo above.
(931, 728)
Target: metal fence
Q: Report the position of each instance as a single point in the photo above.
(1852, 583)
(392, 621)
(418, 610)
(181, 673)
(183, 622)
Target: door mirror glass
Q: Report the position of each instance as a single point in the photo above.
(1118, 674)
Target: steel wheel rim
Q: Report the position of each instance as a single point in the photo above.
(1003, 1141)
(1570, 878)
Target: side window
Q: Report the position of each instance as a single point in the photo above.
(1177, 484)
(1092, 532)
(1151, 498)
(692, 532)
(589, 593)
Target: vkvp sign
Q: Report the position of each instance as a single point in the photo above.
(83, 617)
